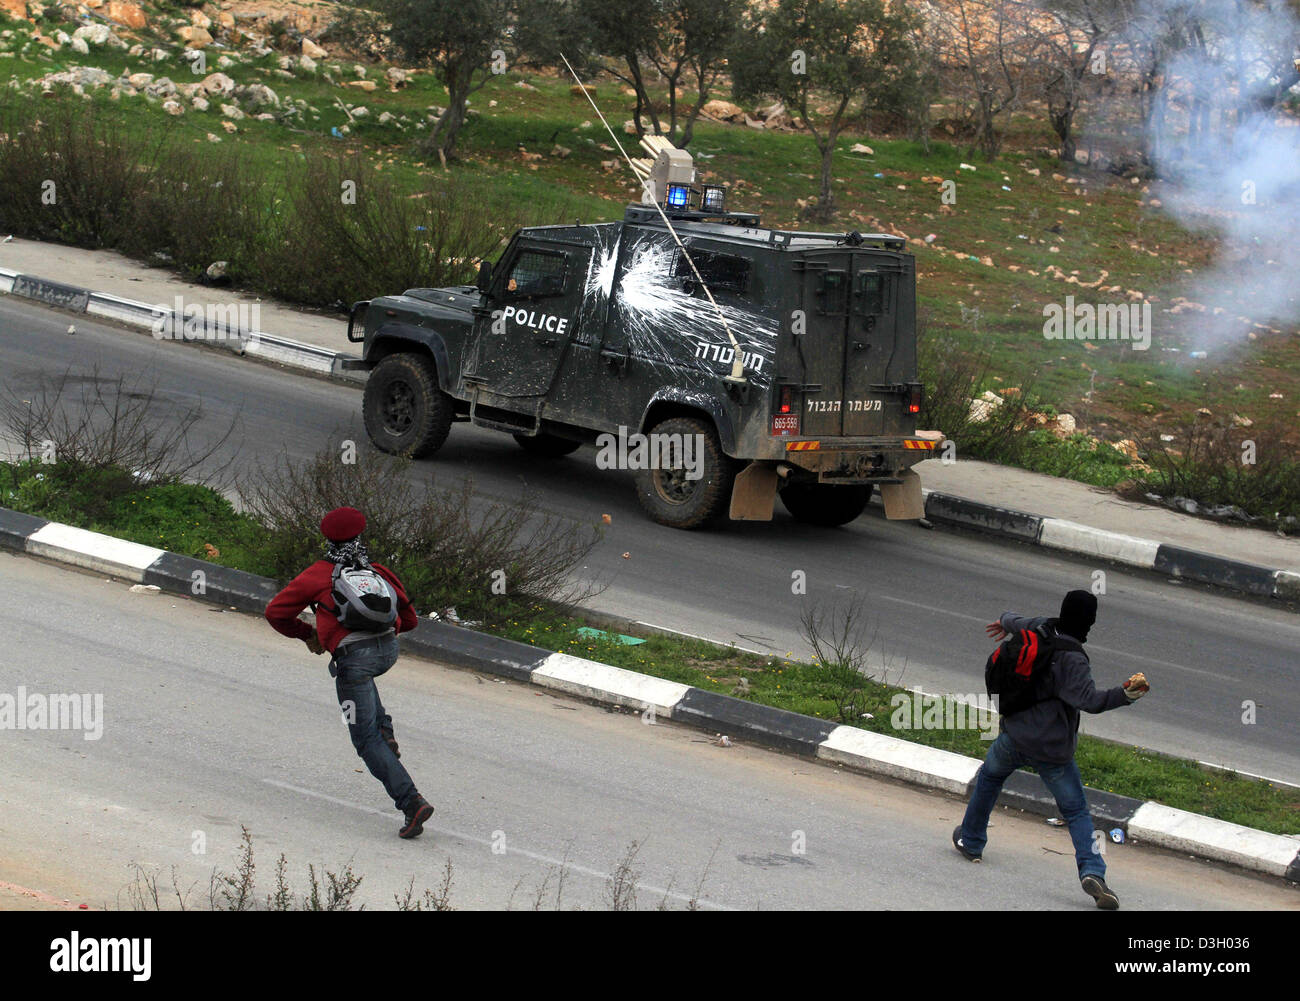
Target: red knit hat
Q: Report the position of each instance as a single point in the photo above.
(343, 524)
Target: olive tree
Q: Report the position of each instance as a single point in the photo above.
(829, 61)
(464, 43)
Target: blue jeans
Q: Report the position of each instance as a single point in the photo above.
(1062, 781)
(358, 665)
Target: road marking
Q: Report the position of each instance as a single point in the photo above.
(487, 842)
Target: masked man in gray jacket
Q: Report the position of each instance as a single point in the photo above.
(1044, 736)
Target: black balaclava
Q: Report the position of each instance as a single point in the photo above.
(1078, 613)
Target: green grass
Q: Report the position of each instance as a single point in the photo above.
(188, 518)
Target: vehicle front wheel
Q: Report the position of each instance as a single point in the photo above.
(824, 503)
(686, 494)
(548, 446)
(405, 411)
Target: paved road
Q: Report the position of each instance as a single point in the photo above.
(212, 721)
(930, 592)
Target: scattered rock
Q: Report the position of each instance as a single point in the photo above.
(194, 37)
(311, 50)
(560, 151)
(129, 15)
(173, 108)
(257, 95)
(862, 148)
(1129, 448)
(397, 77)
(724, 110)
(214, 84)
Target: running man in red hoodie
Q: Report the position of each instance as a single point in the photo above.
(358, 658)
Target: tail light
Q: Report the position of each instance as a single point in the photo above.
(785, 416)
(915, 393)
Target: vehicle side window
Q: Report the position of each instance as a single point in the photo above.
(721, 272)
(536, 273)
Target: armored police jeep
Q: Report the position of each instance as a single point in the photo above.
(723, 362)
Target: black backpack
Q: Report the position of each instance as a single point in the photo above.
(1017, 668)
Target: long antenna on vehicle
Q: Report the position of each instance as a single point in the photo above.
(737, 370)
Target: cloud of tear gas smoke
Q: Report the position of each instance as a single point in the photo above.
(1227, 154)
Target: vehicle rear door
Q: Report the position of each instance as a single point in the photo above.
(825, 279)
(871, 345)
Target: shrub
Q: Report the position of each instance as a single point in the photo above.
(485, 557)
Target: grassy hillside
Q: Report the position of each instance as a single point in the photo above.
(1024, 232)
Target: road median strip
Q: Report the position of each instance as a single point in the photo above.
(780, 729)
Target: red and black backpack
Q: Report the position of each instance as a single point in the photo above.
(1016, 671)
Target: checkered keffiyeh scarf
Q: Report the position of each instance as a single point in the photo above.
(348, 553)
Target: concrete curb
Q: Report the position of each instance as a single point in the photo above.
(861, 750)
(167, 324)
(946, 509)
(1114, 547)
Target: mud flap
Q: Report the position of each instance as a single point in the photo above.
(903, 501)
(754, 493)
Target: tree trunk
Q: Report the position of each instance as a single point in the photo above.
(826, 202)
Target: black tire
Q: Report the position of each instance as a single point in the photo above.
(406, 413)
(672, 499)
(825, 504)
(548, 446)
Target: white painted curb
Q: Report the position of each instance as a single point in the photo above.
(1073, 537)
(1216, 839)
(92, 551)
(899, 759)
(589, 680)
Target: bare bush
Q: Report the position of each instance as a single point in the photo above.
(954, 375)
(119, 433)
(449, 545)
(433, 900)
(620, 885)
(842, 638)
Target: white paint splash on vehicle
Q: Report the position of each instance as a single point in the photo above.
(663, 322)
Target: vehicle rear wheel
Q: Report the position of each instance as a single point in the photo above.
(549, 446)
(405, 411)
(670, 495)
(825, 503)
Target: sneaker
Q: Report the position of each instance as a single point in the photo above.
(969, 855)
(1096, 888)
(417, 812)
(391, 741)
